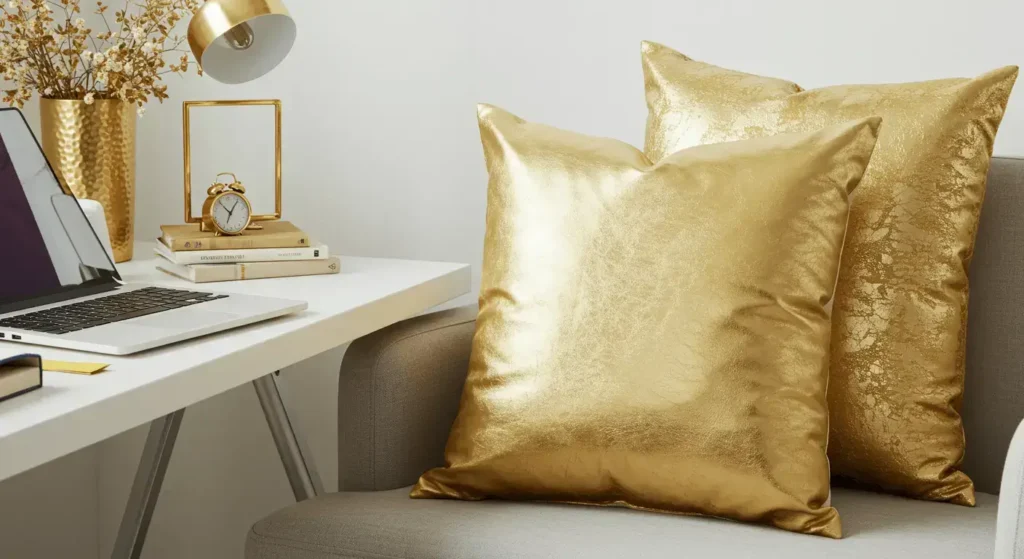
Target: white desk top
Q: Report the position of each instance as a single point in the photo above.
(71, 412)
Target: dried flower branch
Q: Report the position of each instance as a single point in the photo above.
(61, 58)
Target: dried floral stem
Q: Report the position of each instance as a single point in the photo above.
(52, 57)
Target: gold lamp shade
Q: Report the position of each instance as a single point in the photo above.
(236, 41)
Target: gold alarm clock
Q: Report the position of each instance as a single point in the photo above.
(226, 210)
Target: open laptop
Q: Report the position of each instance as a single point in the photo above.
(58, 286)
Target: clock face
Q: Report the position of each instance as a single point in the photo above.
(231, 213)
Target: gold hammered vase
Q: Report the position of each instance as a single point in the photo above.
(92, 149)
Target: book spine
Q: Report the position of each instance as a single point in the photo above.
(183, 272)
(252, 255)
(241, 242)
(20, 374)
(265, 270)
(203, 273)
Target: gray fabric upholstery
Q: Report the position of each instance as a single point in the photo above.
(994, 392)
(391, 525)
(397, 398)
(399, 394)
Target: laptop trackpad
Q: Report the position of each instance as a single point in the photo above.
(182, 319)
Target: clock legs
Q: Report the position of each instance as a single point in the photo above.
(207, 228)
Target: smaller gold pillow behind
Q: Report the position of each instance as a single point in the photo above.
(656, 336)
(899, 322)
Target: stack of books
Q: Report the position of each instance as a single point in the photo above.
(278, 250)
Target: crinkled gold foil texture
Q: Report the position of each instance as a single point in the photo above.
(899, 320)
(655, 336)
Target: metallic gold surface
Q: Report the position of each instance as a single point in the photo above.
(92, 150)
(186, 123)
(219, 17)
(899, 320)
(656, 337)
(214, 193)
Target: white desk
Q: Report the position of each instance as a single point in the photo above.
(71, 412)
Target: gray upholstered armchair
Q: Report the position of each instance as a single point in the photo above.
(400, 390)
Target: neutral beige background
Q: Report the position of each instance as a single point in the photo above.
(382, 158)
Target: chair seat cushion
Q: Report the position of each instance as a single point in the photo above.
(390, 525)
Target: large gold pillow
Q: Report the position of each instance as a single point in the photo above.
(899, 319)
(655, 336)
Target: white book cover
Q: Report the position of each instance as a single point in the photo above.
(316, 252)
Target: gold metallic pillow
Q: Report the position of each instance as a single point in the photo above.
(899, 319)
(656, 336)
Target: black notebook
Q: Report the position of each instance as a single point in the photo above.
(20, 374)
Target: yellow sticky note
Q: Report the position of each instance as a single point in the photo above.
(72, 367)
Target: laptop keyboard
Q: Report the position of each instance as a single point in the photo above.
(105, 310)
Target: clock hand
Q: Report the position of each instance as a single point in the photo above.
(221, 204)
(230, 211)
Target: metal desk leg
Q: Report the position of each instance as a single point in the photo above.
(146, 487)
(297, 460)
(156, 455)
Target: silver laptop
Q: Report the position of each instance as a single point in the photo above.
(59, 288)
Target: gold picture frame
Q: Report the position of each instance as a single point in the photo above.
(187, 106)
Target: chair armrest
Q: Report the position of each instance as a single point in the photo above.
(398, 395)
(1009, 520)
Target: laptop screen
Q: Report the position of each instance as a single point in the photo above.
(48, 250)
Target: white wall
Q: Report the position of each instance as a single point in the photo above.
(382, 158)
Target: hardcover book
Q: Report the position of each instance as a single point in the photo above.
(318, 252)
(20, 374)
(275, 234)
(205, 273)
